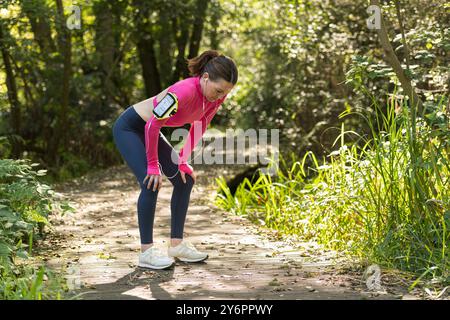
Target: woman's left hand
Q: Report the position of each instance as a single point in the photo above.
(183, 176)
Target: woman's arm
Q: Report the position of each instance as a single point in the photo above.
(152, 129)
(154, 125)
(196, 132)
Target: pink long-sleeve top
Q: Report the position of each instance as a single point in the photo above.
(190, 110)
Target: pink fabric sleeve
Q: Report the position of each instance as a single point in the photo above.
(153, 126)
(196, 132)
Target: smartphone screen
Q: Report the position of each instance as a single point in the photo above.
(164, 105)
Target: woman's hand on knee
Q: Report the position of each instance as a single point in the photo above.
(156, 179)
(183, 176)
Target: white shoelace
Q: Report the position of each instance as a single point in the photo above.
(155, 252)
(191, 246)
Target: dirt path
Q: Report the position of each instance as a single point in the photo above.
(99, 246)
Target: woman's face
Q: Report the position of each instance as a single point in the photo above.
(214, 90)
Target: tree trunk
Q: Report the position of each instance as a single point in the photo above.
(392, 59)
(36, 11)
(215, 18)
(105, 47)
(197, 30)
(165, 40)
(122, 96)
(181, 40)
(64, 47)
(196, 35)
(12, 92)
(149, 66)
(145, 47)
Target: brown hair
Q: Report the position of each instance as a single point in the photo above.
(217, 65)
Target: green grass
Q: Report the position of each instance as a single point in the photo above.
(385, 199)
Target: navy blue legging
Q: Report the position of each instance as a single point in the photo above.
(128, 132)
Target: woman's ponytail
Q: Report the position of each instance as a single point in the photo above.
(197, 65)
(217, 65)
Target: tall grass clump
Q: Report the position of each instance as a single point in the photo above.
(25, 204)
(385, 198)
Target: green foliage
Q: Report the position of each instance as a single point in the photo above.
(68, 103)
(301, 64)
(27, 283)
(25, 205)
(387, 200)
(385, 197)
(297, 60)
(73, 166)
(293, 58)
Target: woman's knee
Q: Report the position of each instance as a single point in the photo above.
(179, 183)
(145, 189)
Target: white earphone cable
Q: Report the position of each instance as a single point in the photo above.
(203, 115)
(203, 142)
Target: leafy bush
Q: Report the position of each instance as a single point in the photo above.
(25, 205)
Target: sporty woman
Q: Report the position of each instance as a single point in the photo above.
(149, 155)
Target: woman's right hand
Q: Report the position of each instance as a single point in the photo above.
(156, 178)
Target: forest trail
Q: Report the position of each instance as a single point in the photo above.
(99, 246)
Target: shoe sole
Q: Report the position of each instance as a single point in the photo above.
(191, 260)
(149, 266)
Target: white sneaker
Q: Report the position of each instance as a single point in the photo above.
(186, 252)
(154, 258)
